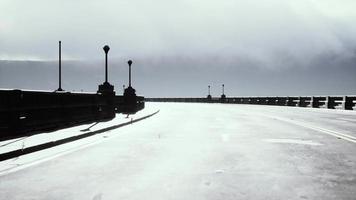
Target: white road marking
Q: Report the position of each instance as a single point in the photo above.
(293, 141)
(323, 130)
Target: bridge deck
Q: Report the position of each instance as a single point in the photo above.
(202, 151)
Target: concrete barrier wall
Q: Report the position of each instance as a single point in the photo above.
(30, 112)
(329, 102)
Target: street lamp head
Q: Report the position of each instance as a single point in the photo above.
(106, 48)
(129, 62)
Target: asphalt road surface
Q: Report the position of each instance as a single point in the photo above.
(204, 151)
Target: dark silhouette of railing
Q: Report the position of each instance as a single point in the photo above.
(330, 102)
(31, 112)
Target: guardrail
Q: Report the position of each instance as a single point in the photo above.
(30, 112)
(329, 102)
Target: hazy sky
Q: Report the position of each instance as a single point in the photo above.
(261, 29)
(271, 34)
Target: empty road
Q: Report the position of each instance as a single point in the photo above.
(202, 151)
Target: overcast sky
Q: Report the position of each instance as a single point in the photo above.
(271, 34)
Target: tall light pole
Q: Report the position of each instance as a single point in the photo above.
(60, 67)
(130, 92)
(223, 96)
(106, 50)
(223, 89)
(130, 63)
(209, 96)
(106, 88)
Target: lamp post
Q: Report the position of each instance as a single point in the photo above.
(106, 88)
(223, 96)
(209, 96)
(223, 89)
(130, 63)
(106, 50)
(130, 92)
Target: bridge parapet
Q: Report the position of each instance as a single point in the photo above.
(329, 102)
(31, 112)
(349, 103)
(281, 101)
(304, 101)
(292, 101)
(317, 102)
(272, 101)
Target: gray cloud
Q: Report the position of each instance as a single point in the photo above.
(227, 28)
(210, 40)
